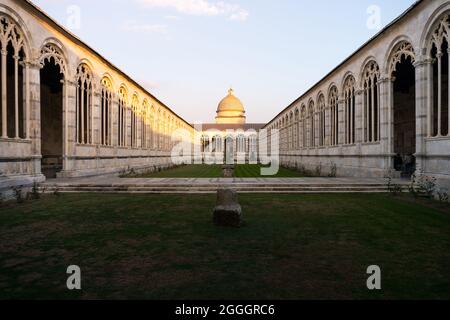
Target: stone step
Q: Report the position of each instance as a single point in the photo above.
(211, 185)
(213, 188)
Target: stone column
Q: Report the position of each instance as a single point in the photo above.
(327, 139)
(96, 115)
(113, 130)
(34, 114)
(386, 85)
(26, 113)
(359, 135)
(341, 120)
(69, 122)
(16, 96)
(316, 128)
(422, 105)
(4, 133)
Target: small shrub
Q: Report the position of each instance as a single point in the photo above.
(394, 189)
(412, 187)
(35, 195)
(301, 169)
(333, 172)
(426, 185)
(443, 195)
(18, 194)
(123, 174)
(318, 171)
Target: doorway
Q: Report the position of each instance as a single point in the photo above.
(51, 119)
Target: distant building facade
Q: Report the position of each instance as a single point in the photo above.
(230, 138)
(384, 110)
(68, 112)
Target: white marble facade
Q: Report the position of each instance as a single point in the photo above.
(384, 110)
(67, 111)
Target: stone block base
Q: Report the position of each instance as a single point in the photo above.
(228, 212)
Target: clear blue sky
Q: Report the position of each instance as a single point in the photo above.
(188, 52)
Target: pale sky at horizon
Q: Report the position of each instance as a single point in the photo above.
(188, 52)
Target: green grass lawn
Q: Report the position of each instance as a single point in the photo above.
(165, 247)
(215, 171)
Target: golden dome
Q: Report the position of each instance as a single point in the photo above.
(230, 110)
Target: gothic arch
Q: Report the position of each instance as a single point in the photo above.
(331, 87)
(401, 47)
(84, 72)
(20, 27)
(320, 97)
(370, 102)
(123, 94)
(368, 62)
(108, 79)
(52, 48)
(431, 25)
(86, 62)
(348, 77)
(84, 104)
(135, 103)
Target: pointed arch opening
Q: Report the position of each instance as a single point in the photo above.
(12, 80)
(51, 93)
(404, 107)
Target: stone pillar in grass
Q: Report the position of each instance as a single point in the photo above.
(228, 171)
(228, 212)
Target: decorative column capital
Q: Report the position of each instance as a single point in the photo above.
(386, 80)
(70, 82)
(423, 62)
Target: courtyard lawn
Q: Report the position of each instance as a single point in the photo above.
(191, 171)
(165, 247)
(215, 171)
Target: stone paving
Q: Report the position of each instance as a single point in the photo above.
(113, 181)
(211, 185)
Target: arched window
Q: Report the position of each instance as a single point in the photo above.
(145, 119)
(167, 133)
(333, 102)
(84, 105)
(134, 121)
(122, 118)
(291, 130)
(152, 130)
(321, 118)
(312, 124)
(349, 109)
(304, 127)
(241, 143)
(158, 136)
(106, 112)
(439, 116)
(371, 109)
(217, 144)
(12, 80)
(205, 144)
(252, 144)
